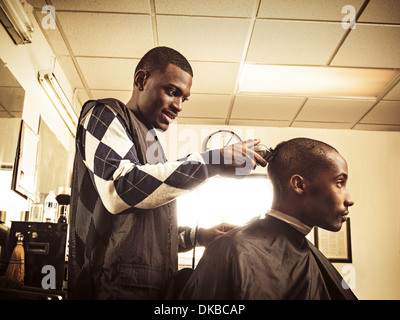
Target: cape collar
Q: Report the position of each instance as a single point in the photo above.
(298, 225)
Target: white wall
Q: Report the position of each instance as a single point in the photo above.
(9, 130)
(24, 62)
(374, 182)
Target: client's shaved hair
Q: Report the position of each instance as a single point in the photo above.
(303, 156)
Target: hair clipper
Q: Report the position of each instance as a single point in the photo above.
(264, 151)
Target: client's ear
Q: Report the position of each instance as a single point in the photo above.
(297, 184)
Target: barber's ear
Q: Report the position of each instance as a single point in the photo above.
(140, 79)
(297, 184)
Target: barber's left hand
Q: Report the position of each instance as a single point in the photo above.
(206, 236)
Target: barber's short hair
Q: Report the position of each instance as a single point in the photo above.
(303, 156)
(159, 58)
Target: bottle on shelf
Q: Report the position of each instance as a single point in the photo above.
(63, 199)
(50, 208)
(36, 211)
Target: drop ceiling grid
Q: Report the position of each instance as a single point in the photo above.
(206, 8)
(317, 10)
(216, 37)
(98, 34)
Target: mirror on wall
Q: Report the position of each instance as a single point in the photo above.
(52, 162)
(52, 158)
(12, 98)
(24, 170)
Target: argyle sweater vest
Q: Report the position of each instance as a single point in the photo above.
(119, 256)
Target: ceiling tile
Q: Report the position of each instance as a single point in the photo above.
(16, 114)
(4, 114)
(224, 8)
(306, 9)
(11, 114)
(266, 107)
(321, 125)
(37, 3)
(7, 79)
(334, 110)
(70, 71)
(394, 94)
(259, 123)
(116, 74)
(376, 127)
(214, 77)
(370, 46)
(204, 39)
(206, 106)
(385, 112)
(108, 38)
(384, 11)
(53, 36)
(137, 6)
(99, 34)
(12, 99)
(289, 42)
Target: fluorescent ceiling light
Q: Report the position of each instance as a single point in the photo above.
(315, 81)
(59, 99)
(16, 21)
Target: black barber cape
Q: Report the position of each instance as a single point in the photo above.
(267, 259)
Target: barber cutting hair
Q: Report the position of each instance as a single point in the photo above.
(124, 237)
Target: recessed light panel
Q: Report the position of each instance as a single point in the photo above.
(315, 81)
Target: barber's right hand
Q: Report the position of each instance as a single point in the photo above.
(240, 158)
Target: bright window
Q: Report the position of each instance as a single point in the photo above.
(10, 201)
(235, 201)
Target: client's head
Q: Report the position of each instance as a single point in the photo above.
(309, 180)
